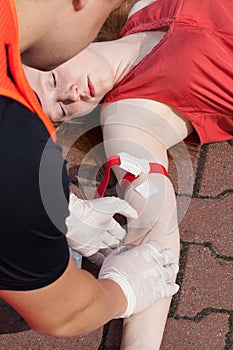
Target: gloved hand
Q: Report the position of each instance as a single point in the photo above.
(91, 226)
(144, 274)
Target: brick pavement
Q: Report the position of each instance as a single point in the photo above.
(201, 314)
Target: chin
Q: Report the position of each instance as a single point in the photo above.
(85, 111)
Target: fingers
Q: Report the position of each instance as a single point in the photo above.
(116, 230)
(113, 205)
(112, 238)
(168, 290)
(162, 256)
(75, 203)
(124, 208)
(170, 271)
(166, 269)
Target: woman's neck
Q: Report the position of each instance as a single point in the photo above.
(125, 53)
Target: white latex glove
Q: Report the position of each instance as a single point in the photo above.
(91, 226)
(144, 274)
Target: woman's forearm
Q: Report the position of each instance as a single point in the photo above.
(149, 337)
(157, 212)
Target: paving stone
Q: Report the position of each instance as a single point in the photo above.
(209, 333)
(112, 335)
(207, 283)
(31, 340)
(208, 221)
(217, 175)
(10, 321)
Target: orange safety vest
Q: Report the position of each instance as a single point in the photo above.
(13, 82)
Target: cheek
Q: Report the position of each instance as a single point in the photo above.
(66, 75)
(47, 104)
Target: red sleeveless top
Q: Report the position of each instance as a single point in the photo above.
(13, 82)
(191, 69)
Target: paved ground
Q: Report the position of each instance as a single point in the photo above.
(201, 314)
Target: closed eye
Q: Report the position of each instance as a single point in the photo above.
(63, 111)
(54, 80)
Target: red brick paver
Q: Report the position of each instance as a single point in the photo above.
(208, 333)
(30, 340)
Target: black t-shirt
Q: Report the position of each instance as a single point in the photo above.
(34, 190)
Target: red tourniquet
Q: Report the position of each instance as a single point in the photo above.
(128, 178)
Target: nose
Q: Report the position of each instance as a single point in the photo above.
(73, 93)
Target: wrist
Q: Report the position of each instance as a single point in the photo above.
(127, 291)
(115, 297)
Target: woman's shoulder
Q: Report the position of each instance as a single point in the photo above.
(139, 5)
(132, 110)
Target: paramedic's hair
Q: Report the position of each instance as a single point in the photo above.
(112, 26)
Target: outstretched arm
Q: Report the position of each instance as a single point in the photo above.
(146, 129)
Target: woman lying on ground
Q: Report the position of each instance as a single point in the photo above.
(168, 78)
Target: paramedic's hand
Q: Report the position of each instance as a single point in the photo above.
(91, 226)
(144, 274)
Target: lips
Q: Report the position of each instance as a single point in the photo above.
(91, 87)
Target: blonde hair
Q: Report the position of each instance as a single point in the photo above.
(112, 26)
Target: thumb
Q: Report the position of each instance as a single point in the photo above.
(121, 206)
(112, 205)
(170, 289)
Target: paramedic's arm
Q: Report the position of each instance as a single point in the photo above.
(74, 304)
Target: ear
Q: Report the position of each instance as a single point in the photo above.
(78, 4)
